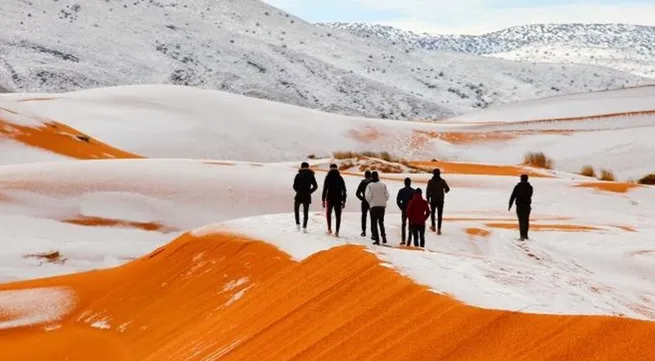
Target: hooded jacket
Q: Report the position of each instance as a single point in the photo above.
(377, 194)
(436, 190)
(405, 195)
(522, 194)
(418, 210)
(334, 188)
(304, 184)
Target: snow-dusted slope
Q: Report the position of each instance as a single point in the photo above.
(183, 122)
(583, 258)
(632, 100)
(250, 48)
(624, 47)
(610, 130)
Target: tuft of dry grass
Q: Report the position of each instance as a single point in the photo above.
(648, 180)
(606, 175)
(311, 156)
(538, 160)
(588, 171)
(343, 155)
(50, 257)
(346, 165)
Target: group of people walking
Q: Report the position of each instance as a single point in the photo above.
(374, 195)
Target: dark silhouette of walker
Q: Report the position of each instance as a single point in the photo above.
(522, 195)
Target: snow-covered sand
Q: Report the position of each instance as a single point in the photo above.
(182, 122)
(603, 270)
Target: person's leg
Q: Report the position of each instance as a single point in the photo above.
(414, 229)
(383, 233)
(296, 211)
(337, 215)
(432, 214)
(527, 222)
(305, 209)
(364, 216)
(520, 213)
(403, 230)
(374, 224)
(328, 215)
(439, 215)
(421, 233)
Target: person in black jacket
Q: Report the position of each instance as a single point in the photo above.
(522, 194)
(435, 194)
(334, 197)
(361, 189)
(304, 184)
(402, 200)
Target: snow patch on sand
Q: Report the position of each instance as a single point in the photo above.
(22, 308)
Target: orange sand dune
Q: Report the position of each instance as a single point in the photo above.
(616, 187)
(478, 169)
(62, 139)
(106, 222)
(179, 303)
(547, 227)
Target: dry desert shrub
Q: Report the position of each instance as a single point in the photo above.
(538, 160)
(648, 180)
(606, 175)
(588, 171)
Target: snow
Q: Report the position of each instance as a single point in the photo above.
(237, 296)
(206, 124)
(616, 46)
(250, 48)
(570, 106)
(605, 271)
(21, 308)
(102, 324)
(14, 113)
(600, 272)
(14, 152)
(235, 284)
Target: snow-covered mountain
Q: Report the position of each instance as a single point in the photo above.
(250, 48)
(629, 48)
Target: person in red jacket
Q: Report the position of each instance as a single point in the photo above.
(418, 211)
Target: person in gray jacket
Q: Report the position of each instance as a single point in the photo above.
(377, 196)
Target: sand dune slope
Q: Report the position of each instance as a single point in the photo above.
(228, 298)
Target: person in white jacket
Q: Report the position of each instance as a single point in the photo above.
(377, 196)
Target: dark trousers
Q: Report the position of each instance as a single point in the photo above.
(438, 206)
(377, 218)
(523, 214)
(336, 206)
(419, 232)
(403, 226)
(365, 209)
(305, 209)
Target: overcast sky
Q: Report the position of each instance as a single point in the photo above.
(470, 16)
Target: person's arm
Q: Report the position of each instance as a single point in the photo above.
(368, 194)
(426, 209)
(314, 186)
(360, 191)
(295, 182)
(386, 193)
(445, 186)
(345, 192)
(530, 191)
(399, 199)
(428, 192)
(325, 191)
(512, 197)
